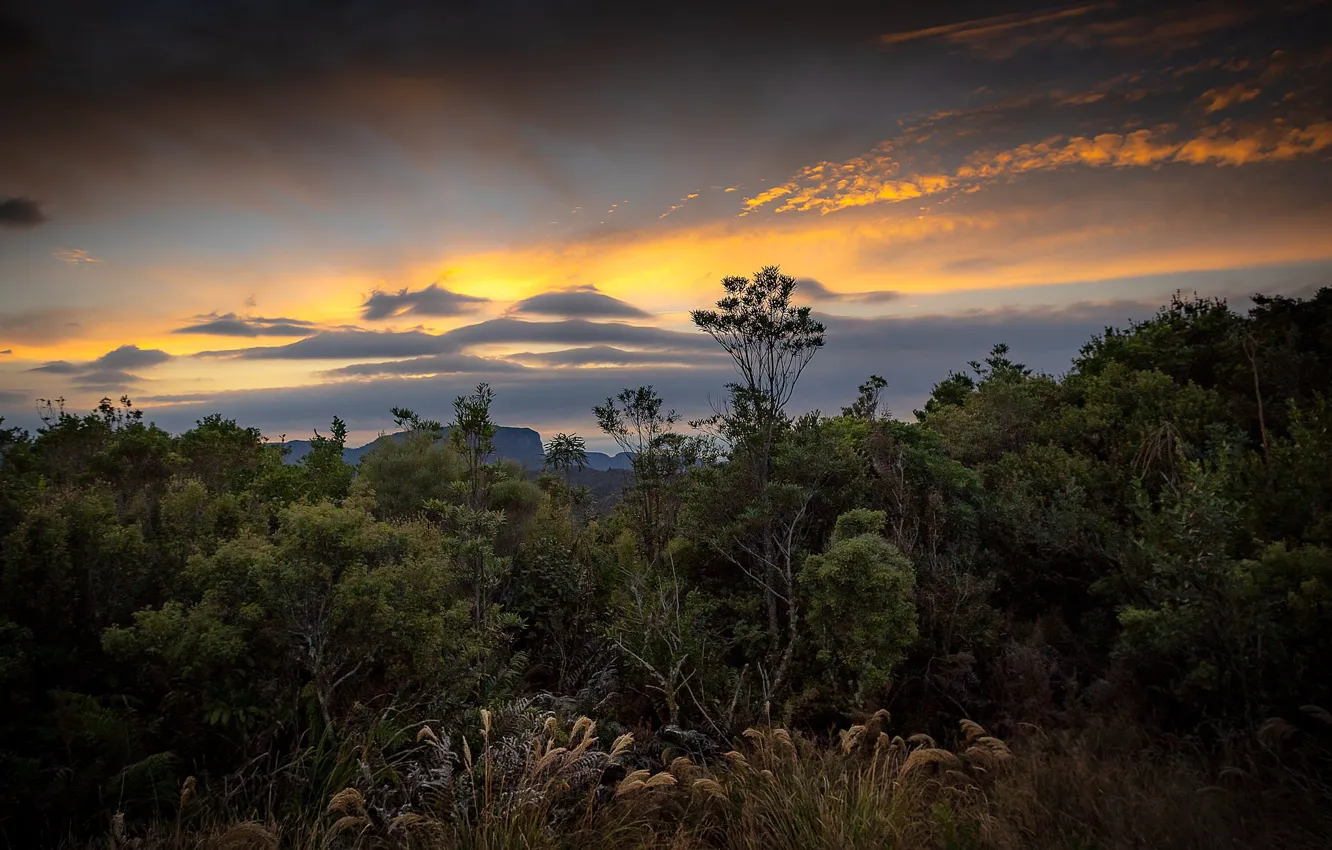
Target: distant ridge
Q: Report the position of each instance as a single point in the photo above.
(523, 445)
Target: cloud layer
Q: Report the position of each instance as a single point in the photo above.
(584, 302)
(431, 301)
(941, 177)
(108, 373)
(230, 324)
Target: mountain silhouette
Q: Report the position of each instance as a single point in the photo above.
(523, 445)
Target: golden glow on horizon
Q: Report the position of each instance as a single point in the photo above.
(668, 273)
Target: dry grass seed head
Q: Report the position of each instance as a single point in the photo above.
(921, 739)
(622, 745)
(632, 782)
(783, 737)
(850, 737)
(583, 724)
(550, 758)
(348, 801)
(187, 790)
(737, 759)
(972, 730)
(996, 747)
(584, 744)
(681, 766)
(426, 733)
(927, 755)
(659, 780)
(486, 718)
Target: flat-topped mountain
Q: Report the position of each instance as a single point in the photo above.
(523, 445)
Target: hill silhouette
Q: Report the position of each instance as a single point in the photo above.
(523, 445)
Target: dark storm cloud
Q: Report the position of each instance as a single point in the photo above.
(431, 301)
(817, 292)
(301, 90)
(7, 351)
(97, 80)
(230, 324)
(13, 398)
(242, 43)
(585, 302)
(20, 212)
(130, 357)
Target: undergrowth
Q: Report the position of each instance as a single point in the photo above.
(525, 778)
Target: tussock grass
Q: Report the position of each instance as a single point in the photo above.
(550, 785)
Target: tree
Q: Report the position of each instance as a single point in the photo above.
(407, 419)
(221, 453)
(860, 606)
(329, 476)
(637, 422)
(866, 405)
(404, 474)
(770, 341)
(565, 452)
(473, 435)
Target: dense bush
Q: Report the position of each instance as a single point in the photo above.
(1147, 537)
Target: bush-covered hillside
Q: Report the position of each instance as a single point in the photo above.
(1088, 610)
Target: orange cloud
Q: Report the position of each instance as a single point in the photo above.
(1215, 100)
(874, 177)
(1275, 144)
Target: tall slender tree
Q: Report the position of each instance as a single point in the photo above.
(770, 340)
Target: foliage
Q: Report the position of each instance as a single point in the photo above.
(565, 452)
(860, 606)
(202, 644)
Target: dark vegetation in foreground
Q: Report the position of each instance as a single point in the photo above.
(1074, 612)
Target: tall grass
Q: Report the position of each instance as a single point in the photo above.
(539, 782)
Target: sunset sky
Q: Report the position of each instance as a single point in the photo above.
(287, 211)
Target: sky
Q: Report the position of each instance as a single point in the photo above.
(286, 212)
